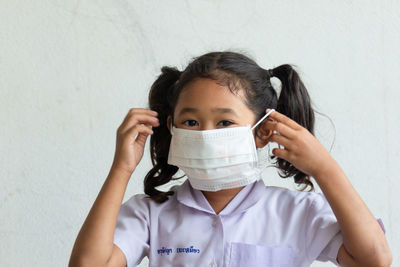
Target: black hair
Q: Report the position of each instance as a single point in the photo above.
(236, 71)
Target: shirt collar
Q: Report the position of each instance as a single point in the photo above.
(243, 200)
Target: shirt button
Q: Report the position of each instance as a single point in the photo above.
(212, 264)
(214, 223)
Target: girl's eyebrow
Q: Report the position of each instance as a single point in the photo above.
(220, 110)
(224, 111)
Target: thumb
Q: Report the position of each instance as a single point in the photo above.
(141, 138)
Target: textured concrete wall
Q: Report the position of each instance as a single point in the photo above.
(70, 70)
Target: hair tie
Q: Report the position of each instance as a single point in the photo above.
(270, 73)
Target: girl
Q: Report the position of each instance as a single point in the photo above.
(223, 215)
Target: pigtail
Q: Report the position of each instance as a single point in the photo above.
(159, 100)
(294, 101)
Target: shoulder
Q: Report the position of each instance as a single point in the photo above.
(142, 202)
(285, 198)
(294, 195)
(308, 211)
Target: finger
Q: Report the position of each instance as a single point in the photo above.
(141, 138)
(134, 111)
(281, 140)
(281, 128)
(281, 153)
(139, 129)
(284, 119)
(138, 119)
(143, 111)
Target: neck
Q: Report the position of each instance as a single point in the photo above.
(220, 199)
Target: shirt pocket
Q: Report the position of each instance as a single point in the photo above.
(251, 255)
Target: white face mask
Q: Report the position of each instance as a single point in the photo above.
(216, 159)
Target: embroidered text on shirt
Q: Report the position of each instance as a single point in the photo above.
(168, 251)
(188, 250)
(164, 250)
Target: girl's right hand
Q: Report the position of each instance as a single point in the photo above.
(131, 138)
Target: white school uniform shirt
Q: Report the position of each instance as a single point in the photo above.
(261, 226)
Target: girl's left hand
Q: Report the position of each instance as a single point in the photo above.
(300, 147)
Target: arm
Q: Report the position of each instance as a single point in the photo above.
(364, 243)
(94, 244)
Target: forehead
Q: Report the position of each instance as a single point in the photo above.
(203, 93)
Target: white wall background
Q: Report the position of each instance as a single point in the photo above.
(70, 70)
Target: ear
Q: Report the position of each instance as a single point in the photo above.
(262, 136)
(169, 123)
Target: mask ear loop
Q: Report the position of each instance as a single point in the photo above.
(268, 146)
(263, 118)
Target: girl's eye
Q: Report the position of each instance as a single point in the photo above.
(226, 123)
(193, 123)
(190, 123)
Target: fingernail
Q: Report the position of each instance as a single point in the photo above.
(270, 110)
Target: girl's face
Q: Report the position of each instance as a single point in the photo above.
(204, 105)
